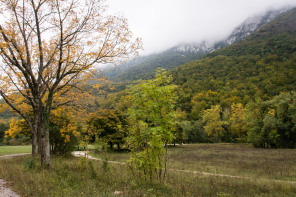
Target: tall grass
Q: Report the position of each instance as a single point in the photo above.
(230, 159)
(71, 176)
(236, 159)
(76, 177)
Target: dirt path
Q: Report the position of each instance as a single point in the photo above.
(14, 155)
(5, 191)
(82, 154)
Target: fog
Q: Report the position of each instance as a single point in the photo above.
(165, 23)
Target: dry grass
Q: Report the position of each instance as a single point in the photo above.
(235, 159)
(76, 177)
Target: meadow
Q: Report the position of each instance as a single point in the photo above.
(195, 170)
(9, 150)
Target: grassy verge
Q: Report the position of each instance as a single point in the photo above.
(9, 150)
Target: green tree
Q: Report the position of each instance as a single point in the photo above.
(255, 111)
(271, 124)
(261, 124)
(183, 127)
(152, 124)
(283, 107)
(108, 125)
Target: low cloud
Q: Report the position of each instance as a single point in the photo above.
(166, 23)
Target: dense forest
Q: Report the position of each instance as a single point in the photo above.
(241, 93)
(261, 67)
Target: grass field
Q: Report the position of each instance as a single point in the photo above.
(78, 177)
(9, 150)
(235, 159)
(230, 159)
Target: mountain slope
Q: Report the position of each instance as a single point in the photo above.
(262, 65)
(252, 24)
(144, 67)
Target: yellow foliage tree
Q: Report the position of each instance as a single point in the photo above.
(17, 127)
(213, 123)
(237, 120)
(47, 46)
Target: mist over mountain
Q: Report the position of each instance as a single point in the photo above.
(262, 65)
(144, 67)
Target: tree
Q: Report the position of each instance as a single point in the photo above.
(47, 46)
(64, 131)
(152, 124)
(282, 125)
(213, 123)
(18, 132)
(202, 101)
(17, 127)
(262, 124)
(4, 126)
(237, 120)
(108, 125)
(255, 111)
(272, 123)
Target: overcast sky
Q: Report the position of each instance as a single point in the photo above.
(165, 23)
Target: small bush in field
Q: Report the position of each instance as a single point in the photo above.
(30, 163)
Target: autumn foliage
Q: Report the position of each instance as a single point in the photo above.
(46, 47)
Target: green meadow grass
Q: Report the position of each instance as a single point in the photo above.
(71, 176)
(9, 150)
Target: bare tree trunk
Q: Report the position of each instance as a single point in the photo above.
(45, 152)
(39, 142)
(43, 131)
(34, 143)
(33, 129)
(36, 129)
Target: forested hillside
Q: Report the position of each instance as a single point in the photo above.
(262, 65)
(246, 91)
(144, 67)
